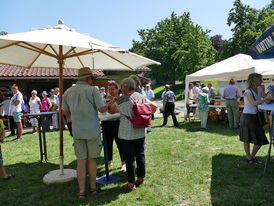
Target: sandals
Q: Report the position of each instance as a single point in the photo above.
(128, 187)
(254, 161)
(249, 161)
(94, 191)
(139, 182)
(81, 196)
(9, 177)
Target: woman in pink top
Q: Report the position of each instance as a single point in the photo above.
(46, 105)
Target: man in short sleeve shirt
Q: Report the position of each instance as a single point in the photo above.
(211, 93)
(81, 104)
(150, 95)
(169, 99)
(231, 94)
(15, 111)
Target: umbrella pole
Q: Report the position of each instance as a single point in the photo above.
(60, 62)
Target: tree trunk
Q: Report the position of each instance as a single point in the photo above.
(173, 83)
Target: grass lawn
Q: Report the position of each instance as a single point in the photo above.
(185, 166)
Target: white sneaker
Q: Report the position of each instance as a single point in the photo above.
(18, 139)
(124, 168)
(196, 116)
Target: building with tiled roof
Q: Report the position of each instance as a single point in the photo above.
(10, 72)
(42, 79)
(39, 79)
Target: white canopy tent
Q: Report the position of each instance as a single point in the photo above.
(237, 67)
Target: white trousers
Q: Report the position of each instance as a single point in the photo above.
(203, 118)
(34, 121)
(54, 121)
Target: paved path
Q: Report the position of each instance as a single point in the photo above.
(179, 108)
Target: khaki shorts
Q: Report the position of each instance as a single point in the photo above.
(85, 148)
(17, 116)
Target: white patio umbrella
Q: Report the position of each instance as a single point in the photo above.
(59, 45)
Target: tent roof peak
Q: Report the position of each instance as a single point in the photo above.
(60, 21)
(60, 26)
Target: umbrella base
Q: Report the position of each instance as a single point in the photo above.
(105, 181)
(55, 176)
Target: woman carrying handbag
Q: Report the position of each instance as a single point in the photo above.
(251, 131)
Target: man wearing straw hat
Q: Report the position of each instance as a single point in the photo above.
(81, 104)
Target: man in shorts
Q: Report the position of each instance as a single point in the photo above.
(15, 110)
(81, 104)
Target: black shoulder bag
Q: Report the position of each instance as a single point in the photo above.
(261, 115)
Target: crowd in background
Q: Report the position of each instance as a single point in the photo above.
(19, 104)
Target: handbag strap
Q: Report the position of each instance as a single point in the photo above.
(134, 103)
(135, 100)
(254, 99)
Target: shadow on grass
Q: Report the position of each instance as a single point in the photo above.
(27, 188)
(195, 126)
(234, 182)
(217, 128)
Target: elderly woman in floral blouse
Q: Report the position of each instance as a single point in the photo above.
(203, 101)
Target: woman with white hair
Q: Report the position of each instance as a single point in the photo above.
(35, 105)
(203, 106)
(132, 140)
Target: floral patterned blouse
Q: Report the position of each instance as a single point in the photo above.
(203, 102)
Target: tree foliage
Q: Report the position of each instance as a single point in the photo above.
(181, 46)
(3, 33)
(247, 25)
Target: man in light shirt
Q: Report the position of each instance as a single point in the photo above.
(150, 95)
(231, 94)
(15, 110)
(211, 93)
(196, 91)
(82, 112)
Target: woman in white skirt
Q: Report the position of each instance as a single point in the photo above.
(35, 105)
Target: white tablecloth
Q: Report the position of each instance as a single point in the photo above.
(222, 106)
(265, 106)
(108, 116)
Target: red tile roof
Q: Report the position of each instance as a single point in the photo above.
(17, 72)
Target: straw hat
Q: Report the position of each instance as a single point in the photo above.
(85, 72)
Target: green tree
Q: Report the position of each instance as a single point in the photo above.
(3, 33)
(181, 46)
(247, 25)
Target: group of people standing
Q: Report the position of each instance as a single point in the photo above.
(35, 105)
(201, 97)
(81, 104)
(47, 104)
(251, 131)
